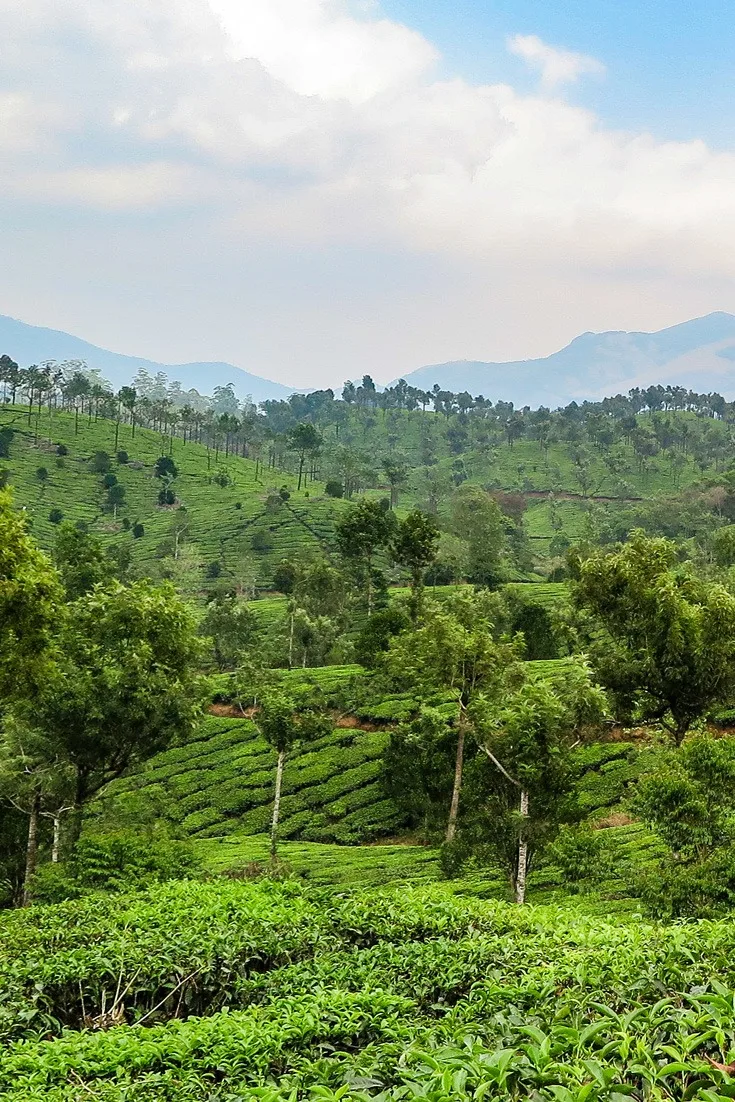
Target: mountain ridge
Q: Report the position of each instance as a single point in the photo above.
(698, 354)
(28, 344)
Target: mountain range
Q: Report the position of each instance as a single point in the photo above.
(31, 344)
(698, 354)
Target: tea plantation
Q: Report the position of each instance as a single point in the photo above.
(272, 991)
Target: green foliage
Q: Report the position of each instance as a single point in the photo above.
(232, 628)
(100, 462)
(689, 800)
(414, 545)
(114, 862)
(29, 593)
(122, 684)
(80, 560)
(668, 648)
(264, 990)
(477, 519)
(165, 467)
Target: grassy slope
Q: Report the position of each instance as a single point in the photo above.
(218, 530)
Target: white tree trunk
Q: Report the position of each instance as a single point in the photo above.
(522, 852)
(277, 802)
(31, 849)
(56, 847)
(457, 787)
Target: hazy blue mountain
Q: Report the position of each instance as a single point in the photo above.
(30, 344)
(697, 354)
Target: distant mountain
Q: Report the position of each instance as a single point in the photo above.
(30, 344)
(699, 355)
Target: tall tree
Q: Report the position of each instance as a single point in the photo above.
(454, 650)
(80, 560)
(361, 533)
(30, 595)
(478, 520)
(284, 724)
(232, 627)
(123, 684)
(527, 737)
(415, 545)
(667, 653)
(304, 440)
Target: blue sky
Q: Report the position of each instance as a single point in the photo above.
(671, 63)
(314, 189)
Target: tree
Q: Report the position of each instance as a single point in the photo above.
(165, 468)
(361, 533)
(454, 650)
(284, 723)
(414, 546)
(9, 376)
(232, 627)
(128, 397)
(122, 685)
(30, 593)
(304, 440)
(80, 560)
(396, 472)
(668, 650)
(36, 782)
(477, 519)
(688, 799)
(527, 737)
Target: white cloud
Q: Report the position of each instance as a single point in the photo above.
(555, 66)
(307, 125)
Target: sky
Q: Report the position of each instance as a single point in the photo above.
(315, 189)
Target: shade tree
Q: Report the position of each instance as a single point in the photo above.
(284, 723)
(662, 638)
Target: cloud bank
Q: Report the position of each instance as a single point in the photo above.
(291, 184)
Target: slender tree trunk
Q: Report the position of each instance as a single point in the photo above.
(56, 847)
(290, 640)
(457, 787)
(301, 471)
(522, 852)
(277, 803)
(31, 848)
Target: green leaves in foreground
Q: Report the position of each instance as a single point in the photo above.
(383, 996)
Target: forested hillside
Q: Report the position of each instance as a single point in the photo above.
(333, 733)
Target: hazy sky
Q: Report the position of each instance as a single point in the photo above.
(313, 189)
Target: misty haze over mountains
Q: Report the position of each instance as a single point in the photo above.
(698, 354)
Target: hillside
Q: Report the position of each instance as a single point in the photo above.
(697, 354)
(237, 531)
(33, 344)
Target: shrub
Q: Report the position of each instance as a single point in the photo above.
(138, 531)
(62, 450)
(122, 457)
(114, 862)
(165, 467)
(56, 516)
(261, 542)
(6, 436)
(166, 496)
(109, 481)
(334, 488)
(213, 569)
(100, 462)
